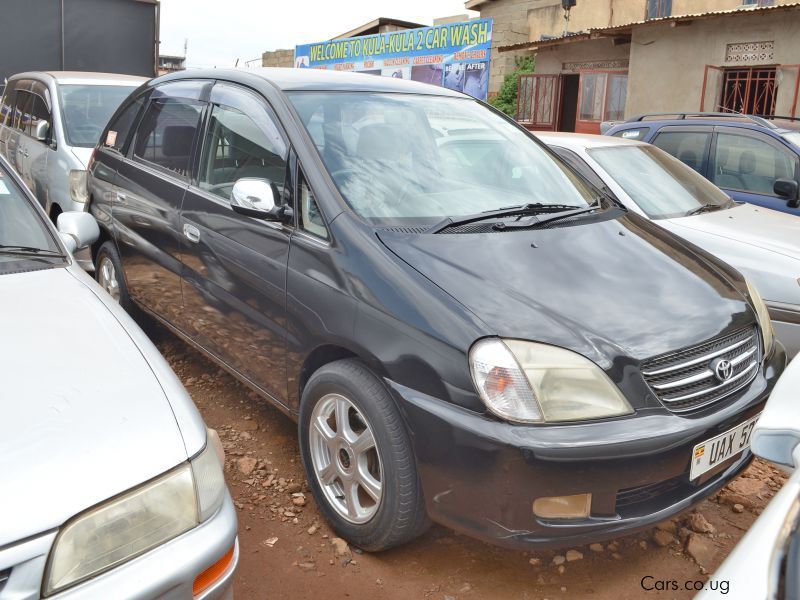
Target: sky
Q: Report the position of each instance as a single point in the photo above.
(221, 31)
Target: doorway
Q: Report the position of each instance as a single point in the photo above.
(569, 102)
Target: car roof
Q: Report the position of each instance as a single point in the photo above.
(291, 79)
(583, 140)
(82, 78)
(771, 124)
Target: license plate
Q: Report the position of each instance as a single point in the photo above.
(711, 453)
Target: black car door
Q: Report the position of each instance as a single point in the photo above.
(235, 265)
(150, 187)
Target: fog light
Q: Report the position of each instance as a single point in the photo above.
(563, 507)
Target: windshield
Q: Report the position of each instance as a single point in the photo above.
(661, 185)
(20, 226)
(87, 109)
(402, 159)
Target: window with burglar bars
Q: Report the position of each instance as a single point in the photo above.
(658, 8)
(750, 91)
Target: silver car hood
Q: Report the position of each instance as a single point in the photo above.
(755, 225)
(84, 416)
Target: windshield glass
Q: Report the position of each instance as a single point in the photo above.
(661, 185)
(19, 223)
(86, 110)
(399, 158)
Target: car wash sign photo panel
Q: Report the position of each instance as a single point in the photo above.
(455, 55)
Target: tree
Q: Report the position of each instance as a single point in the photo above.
(506, 99)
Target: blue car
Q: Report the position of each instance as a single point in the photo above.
(752, 159)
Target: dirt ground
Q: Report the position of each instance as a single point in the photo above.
(287, 550)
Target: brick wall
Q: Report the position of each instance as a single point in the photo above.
(510, 27)
(278, 58)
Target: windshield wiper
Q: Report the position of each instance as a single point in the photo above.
(29, 251)
(513, 211)
(702, 209)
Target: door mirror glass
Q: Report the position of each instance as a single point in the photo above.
(77, 229)
(41, 131)
(257, 198)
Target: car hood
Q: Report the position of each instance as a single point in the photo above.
(605, 289)
(83, 154)
(84, 417)
(749, 224)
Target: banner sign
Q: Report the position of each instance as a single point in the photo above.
(455, 55)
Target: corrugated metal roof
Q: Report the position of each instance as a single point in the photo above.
(600, 32)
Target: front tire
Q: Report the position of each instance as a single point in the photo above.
(358, 458)
(110, 276)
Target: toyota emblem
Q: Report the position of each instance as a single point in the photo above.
(723, 369)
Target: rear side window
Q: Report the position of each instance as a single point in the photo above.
(632, 134)
(120, 130)
(166, 135)
(7, 106)
(689, 147)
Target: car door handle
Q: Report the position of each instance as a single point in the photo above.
(24, 152)
(121, 198)
(191, 232)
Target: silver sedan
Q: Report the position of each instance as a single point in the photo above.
(112, 486)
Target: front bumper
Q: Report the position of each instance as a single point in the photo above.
(481, 476)
(167, 571)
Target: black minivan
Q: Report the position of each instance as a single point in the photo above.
(465, 332)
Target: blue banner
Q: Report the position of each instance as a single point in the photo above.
(455, 55)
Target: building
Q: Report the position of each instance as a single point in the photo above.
(112, 36)
(170, 64)
(285, 58)
(619, 58)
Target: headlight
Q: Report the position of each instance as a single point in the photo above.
(762, 313)
(534, 383)
(78, 186)
(136, 521)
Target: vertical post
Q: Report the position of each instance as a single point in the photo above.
(63, 44)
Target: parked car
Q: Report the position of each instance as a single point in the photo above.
(455, 340)
(765, 564)
(49, 124)
(763, 244)
(113, 486)
(753, 159)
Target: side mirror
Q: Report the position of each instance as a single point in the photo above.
(258, 198)
(788, 188)
(42, 130)
(77, 230)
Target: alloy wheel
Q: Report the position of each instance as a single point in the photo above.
(345, 457)
(107, 278)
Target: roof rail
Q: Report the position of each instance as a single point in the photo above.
(757, 119)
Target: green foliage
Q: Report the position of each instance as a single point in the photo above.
(506, 99)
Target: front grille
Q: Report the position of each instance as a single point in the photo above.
(643, 493)
(686, 380)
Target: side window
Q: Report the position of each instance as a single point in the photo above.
(7, 106)
(749, 164)
(310, 217)
(689, 147)
(632, 134)
(166, 134)
(238, 146)
(577, 163)
(119, 131)
(22, 117)
(38, 111)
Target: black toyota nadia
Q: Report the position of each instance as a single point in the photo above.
(464, 329)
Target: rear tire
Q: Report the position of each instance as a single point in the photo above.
(358, 458)
(110, 276)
